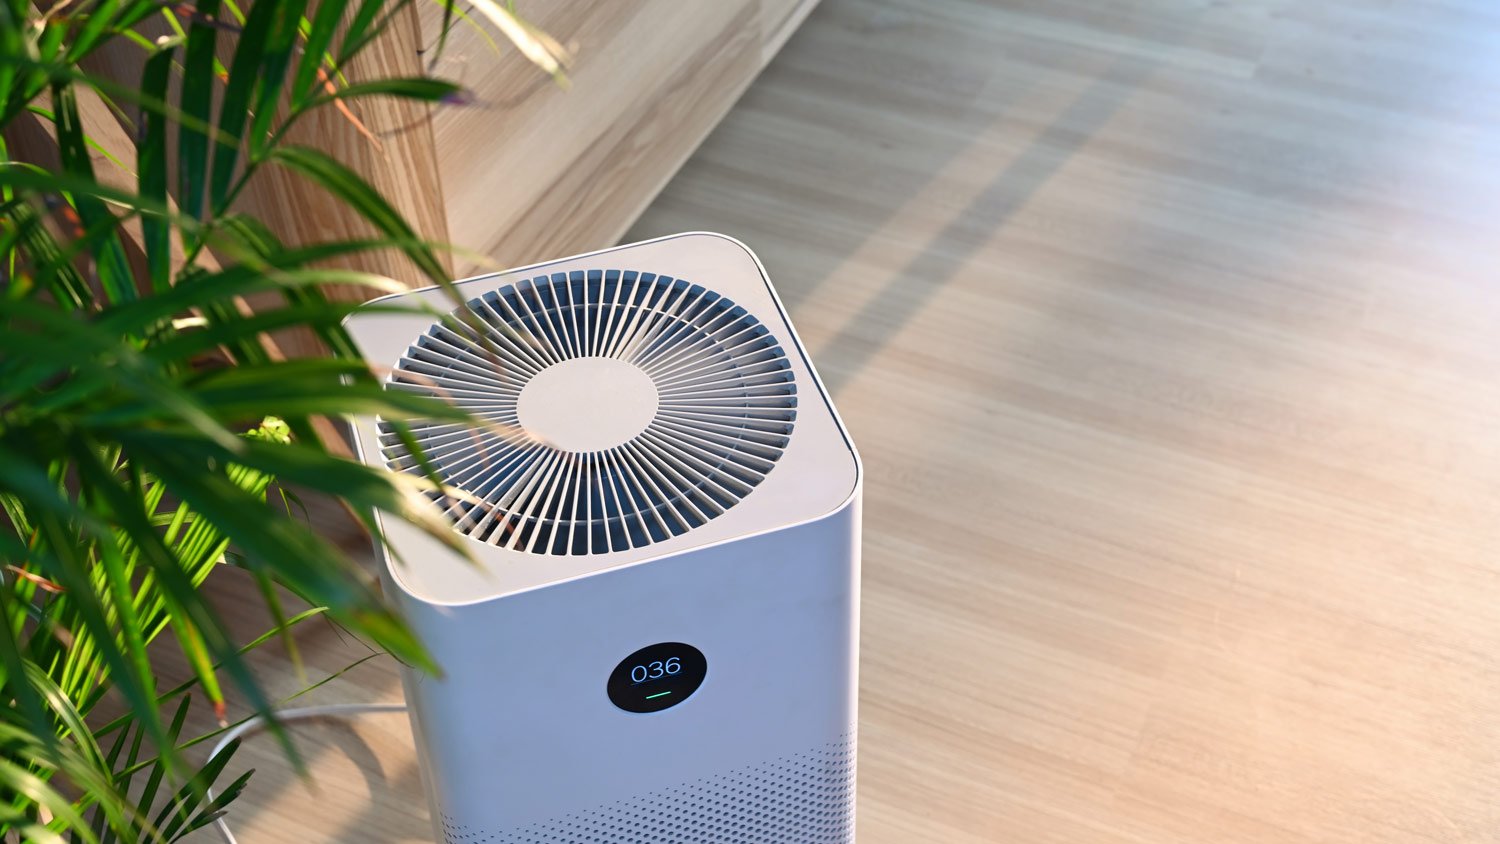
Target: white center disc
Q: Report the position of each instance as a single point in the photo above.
(587, 404)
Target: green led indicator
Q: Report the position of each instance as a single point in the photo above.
(658, 694)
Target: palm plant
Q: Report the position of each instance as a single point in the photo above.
(144, 411)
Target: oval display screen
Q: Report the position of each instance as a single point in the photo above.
(657, 677)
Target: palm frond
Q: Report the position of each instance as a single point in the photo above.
(144, 412)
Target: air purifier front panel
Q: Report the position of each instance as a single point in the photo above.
(657, 638)
(523, 735)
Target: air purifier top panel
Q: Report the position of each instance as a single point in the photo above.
(637, 402)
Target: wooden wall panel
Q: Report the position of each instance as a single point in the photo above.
(532, 170)
(395, 151)
(528, 169)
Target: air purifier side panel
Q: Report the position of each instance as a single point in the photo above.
(520, 732)
(419, 742)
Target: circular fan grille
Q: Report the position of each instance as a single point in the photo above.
(721, 388)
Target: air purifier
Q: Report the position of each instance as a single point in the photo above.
(656, 639)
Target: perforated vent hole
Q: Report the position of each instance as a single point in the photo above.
(654, 406)
(806, 799)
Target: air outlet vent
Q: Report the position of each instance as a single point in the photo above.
(807, 799)
(627, 408)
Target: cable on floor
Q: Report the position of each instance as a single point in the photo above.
(299, 714)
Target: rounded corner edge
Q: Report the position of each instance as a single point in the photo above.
(730, 239)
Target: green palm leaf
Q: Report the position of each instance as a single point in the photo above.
(143, 413)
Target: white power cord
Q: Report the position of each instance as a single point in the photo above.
(300, 714)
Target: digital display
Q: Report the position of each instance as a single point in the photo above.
(657, 677)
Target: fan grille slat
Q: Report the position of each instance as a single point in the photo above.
(725, 404)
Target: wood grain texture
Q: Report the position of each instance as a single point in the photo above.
(391, 147)
(532, 170)
(1168, 332)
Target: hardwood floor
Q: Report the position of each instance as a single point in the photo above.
(1170, 335)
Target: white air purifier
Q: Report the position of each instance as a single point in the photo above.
(659, 640)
